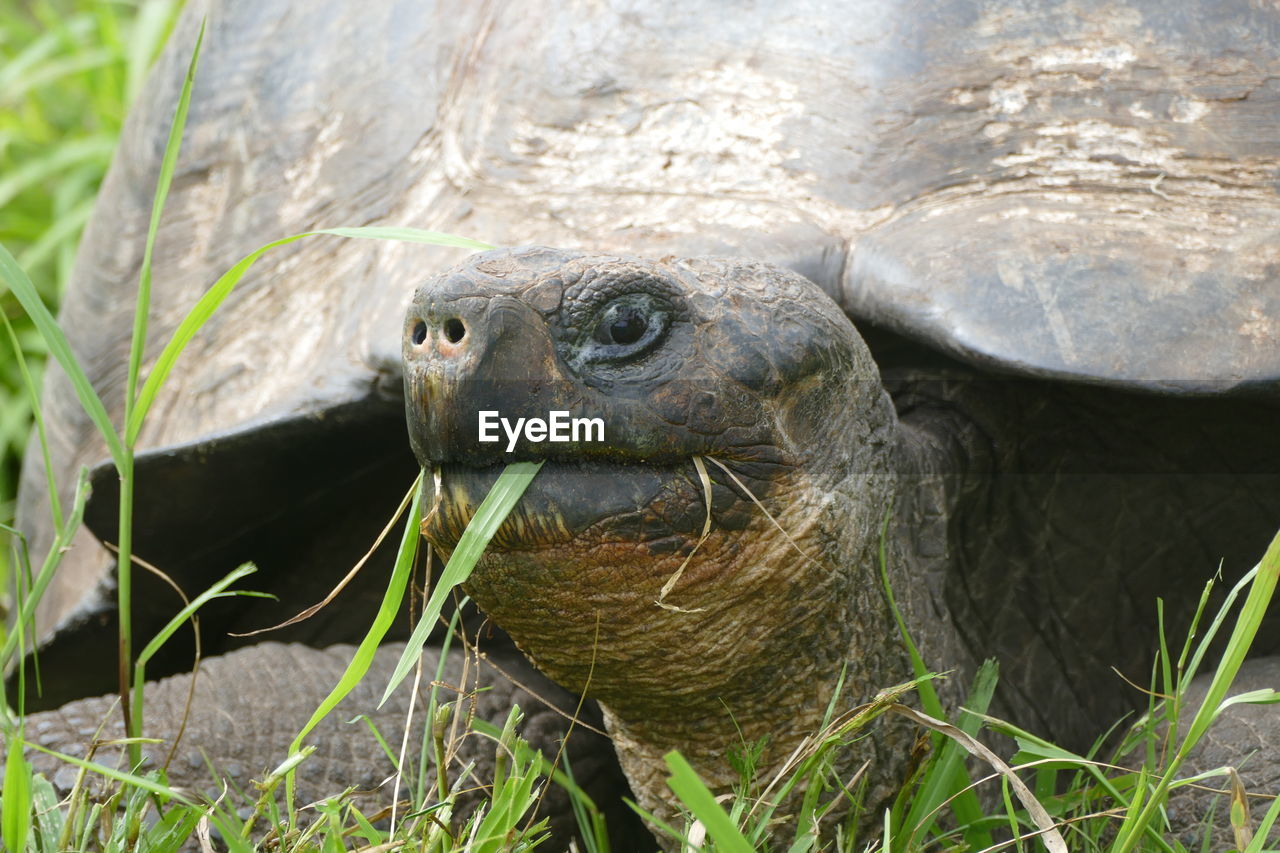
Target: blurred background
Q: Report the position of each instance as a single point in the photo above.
(69, 69)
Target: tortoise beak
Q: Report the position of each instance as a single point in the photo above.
(467, 351)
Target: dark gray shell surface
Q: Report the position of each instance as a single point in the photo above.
(1083, 190)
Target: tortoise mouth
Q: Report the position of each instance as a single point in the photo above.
(637, 500)
(656, 504)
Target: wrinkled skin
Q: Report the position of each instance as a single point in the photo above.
(755, 369)
(742, 364)
(1083, 191)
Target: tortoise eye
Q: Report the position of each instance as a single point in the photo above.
(626, 328)
(622, 324)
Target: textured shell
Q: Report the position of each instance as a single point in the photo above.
(1083, 190)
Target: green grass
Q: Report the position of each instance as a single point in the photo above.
(28, 818)
(68, 71)
(1115, 805)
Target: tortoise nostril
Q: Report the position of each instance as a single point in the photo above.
(419, 332)
(454, 330)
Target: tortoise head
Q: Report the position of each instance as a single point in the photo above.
(690, 393)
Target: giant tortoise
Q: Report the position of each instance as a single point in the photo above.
(1053, 223)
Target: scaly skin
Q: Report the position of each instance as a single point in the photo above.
(1034, 521)
(780, 390)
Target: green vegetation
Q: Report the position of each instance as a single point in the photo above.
(1072, 802)
(68, 71)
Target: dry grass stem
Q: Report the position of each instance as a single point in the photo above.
(404, 743)
(573, 721)
(767, 514)
(706, 531)
(195, 663)
(342, 584)
(437, 485)
(1049, 835)
(526, 688)
(1145, 691)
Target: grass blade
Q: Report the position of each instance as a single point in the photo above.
(408, 235)
(493, 510)
(60, 348)
(63, 231)
(15, 817)
(221, 289)
(185, 613)
(1264, 828)
(129, 779)
(363, 657)
(37, 416)
(965, 804)
(142, 307)
(1246, 627)
(702, 804)
(37, 51)
(168, 164)
(946, 775)
(1050, 837)
(928, 695)
(60, 544)
(150, 30)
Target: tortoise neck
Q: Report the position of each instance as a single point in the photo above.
(944, 432)
(942, 455)
(787, 666)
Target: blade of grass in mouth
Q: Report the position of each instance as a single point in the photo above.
(493, 510)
